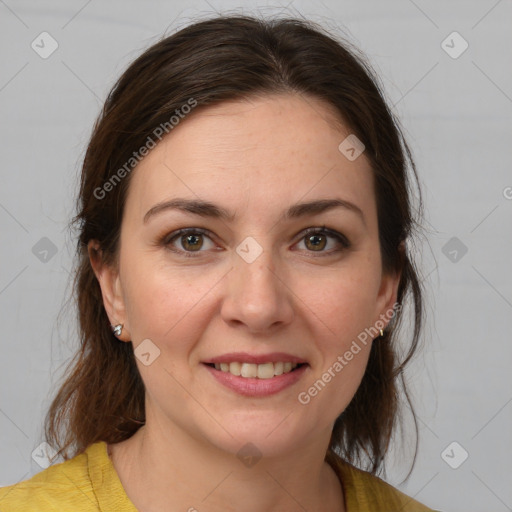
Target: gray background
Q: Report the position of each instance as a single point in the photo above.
(457, 117)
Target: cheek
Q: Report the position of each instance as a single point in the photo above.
(342, 345)
(342, 301)
(160, 301)
(167, 306)
(341, 312)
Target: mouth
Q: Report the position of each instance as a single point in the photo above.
(268, 370)
(257, 376)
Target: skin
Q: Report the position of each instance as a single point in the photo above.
(254, 158)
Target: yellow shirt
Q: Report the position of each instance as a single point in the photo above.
(89, 482)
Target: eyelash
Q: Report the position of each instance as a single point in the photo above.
(168, 239)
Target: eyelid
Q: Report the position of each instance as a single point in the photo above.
(185, 231)
(327, 231)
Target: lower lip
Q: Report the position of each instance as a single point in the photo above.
(257, 387)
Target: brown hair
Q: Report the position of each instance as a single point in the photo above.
(227, 58)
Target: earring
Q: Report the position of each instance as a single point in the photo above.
(116, 329)
(381, 333)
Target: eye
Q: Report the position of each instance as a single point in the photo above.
(317, 239)
(189, 241)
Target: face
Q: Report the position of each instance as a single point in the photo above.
(255, 278)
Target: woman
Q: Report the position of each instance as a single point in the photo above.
(242, 262)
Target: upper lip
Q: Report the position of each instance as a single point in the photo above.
(244, 357)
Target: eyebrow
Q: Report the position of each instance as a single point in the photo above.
(208, 209)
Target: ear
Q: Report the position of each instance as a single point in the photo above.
(111, 290)
(388, 292)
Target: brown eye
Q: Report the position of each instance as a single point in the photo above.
(316, 242)
(188, 241)
(192, 242)
(324, 241)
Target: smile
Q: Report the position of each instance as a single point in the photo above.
(256, 380)
(259, 371)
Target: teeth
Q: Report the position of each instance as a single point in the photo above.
(249, 370)
(261, 371)
(234, 368)
(265, 371)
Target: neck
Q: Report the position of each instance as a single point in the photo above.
(157, 468)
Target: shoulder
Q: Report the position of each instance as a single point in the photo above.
(65, 484)
(365, 492)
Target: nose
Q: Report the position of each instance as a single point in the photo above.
(257, 295)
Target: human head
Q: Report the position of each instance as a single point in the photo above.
(206, 65)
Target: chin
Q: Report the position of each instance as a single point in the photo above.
(260, 434)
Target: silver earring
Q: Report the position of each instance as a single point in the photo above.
(117, 329)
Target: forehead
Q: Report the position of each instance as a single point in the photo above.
(263, 152)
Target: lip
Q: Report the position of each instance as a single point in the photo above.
(244, 357)
(255, 387)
